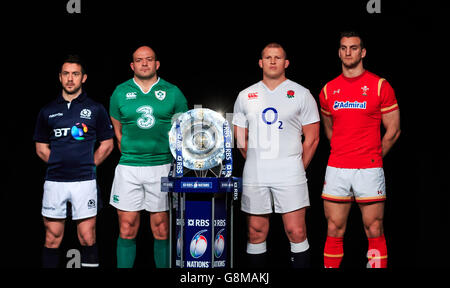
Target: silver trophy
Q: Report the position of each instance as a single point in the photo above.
(200, 142)
(203, 137)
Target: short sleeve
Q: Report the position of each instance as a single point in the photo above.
(104, 127)
(114, 105)
(387, 95)
(324, 109)
(239, 118)
(309, 113)
(42, 131)
(180, 102)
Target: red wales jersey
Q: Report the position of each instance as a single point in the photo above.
(356, 105)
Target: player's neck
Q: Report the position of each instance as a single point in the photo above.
(145, 84)
(69, 97)
(353, 72)
(273, 83)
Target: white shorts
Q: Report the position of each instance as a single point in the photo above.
(259, 200)
(346, 185)
(82, 195)
(138, 188)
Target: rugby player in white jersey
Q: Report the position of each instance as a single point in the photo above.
(270, 118)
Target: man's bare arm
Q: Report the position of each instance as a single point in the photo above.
(118, 131)
(43, 151)
(328, 125)
(103, 151)
(312, 135)
(391, 121)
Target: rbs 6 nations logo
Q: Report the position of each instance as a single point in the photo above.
(198, 244)
(219, 244)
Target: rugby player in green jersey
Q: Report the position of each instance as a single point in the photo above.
(142, 110)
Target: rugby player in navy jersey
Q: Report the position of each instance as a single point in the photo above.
(66, 132)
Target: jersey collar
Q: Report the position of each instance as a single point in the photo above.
(80, 98)
(276, 88)
(151, 87)
(354, 79)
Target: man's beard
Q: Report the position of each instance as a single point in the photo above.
(72, 92)
(352, 65)
(145, 77)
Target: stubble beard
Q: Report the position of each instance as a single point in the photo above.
(352, 65)
(72, 92)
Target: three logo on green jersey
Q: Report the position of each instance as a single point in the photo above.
(147, 120)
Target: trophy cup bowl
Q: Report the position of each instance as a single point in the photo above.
(202, 138)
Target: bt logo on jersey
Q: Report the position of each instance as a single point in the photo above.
(77, 131)
(59, 132)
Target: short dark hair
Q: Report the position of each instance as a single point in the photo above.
(274, 45)
(76, 59)
(352, 33)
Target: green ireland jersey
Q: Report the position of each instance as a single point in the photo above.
(146, 119)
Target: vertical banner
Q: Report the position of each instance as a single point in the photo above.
(228, 161)
(179, 150)
(178, 228)
(198, 234)
(220, 231)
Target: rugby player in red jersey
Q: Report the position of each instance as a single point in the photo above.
(353, 107)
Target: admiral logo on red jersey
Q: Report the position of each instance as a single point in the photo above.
(349, 105)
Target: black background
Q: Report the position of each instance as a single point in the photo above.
(210, 51)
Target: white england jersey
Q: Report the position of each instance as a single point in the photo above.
(274, 119)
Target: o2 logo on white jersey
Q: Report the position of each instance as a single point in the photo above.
(147, 120)
(270, 116)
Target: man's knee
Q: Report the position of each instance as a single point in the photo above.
(159, 224)
(87, 238)
(374, 228)
(336, 228)
(53, 239)
(54, 232)
(296, 234)
(128, 229)
(128, 224)
(257, 231)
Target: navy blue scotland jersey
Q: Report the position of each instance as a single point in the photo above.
(72, 131)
